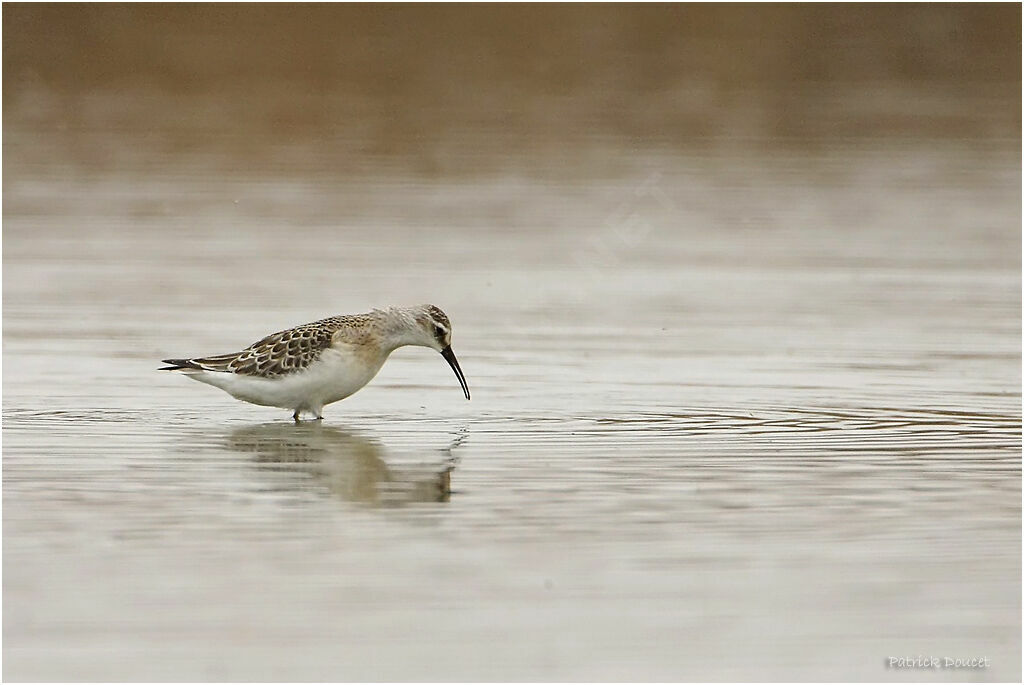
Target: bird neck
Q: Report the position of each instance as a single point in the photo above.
(399, 328)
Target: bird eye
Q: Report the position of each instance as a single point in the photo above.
(439, 332)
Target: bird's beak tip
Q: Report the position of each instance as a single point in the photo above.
(449, 357)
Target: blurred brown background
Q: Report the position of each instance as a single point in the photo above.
(440, 88)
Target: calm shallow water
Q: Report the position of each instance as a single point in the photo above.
(733, 417)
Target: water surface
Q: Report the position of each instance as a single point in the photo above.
(744, 407)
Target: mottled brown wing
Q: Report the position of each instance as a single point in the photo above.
(279, 353)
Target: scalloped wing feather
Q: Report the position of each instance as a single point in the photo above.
(280, 353)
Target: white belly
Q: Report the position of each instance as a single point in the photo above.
(336, 375)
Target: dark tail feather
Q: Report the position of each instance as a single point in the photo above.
(176, 364)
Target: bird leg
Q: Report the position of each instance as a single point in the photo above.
(317, 416)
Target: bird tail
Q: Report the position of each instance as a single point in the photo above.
(179, 364)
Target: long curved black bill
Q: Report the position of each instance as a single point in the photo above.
(454, 363)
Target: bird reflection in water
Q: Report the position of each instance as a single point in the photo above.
(350, 466)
